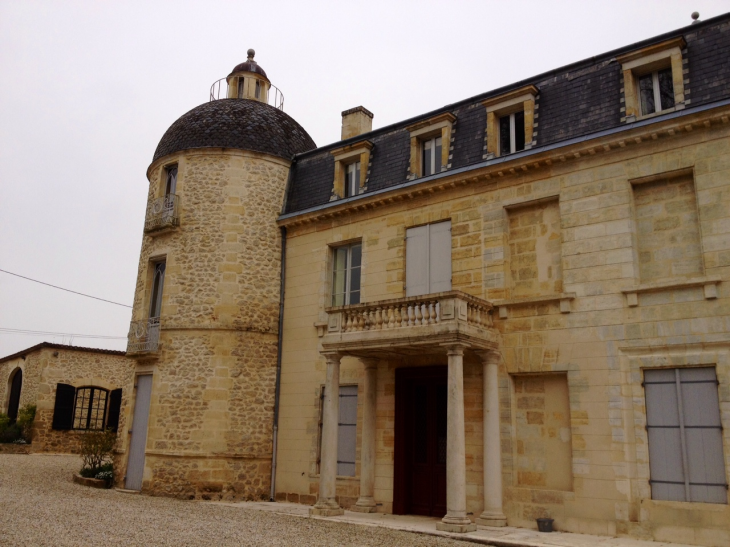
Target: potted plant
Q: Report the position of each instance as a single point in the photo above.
(96, 452)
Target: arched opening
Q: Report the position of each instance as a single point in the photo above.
(15, 384)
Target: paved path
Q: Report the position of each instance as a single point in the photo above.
(40, 506)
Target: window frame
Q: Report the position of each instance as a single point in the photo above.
(358, 152)
(89, 405)
(347, 273)
(156, 291)
(353, 178)
(433, 147)
(509, 104)
(512, 133)
(426, 131)
(320, 424)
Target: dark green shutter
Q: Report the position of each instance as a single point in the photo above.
(115, 405)
(63, 411)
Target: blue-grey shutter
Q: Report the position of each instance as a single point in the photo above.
(63, 409)
(115, 406)
(439, 257)
(347, 431)
(138, 442)
(703, 435)
(417, 262)
(665, 444)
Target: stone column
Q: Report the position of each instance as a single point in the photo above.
(366, 502)
(327, 505)
(456, 519)
(492, 514)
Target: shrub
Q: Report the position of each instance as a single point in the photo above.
(96, 451)
(11, 434)
(26, 415)
(4, 422)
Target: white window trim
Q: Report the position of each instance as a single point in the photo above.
(352, 182)
(657, 93)
(348, 273)
(512, 134)
(429, 145)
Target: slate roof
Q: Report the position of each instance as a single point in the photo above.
(573, 101)
(244, 124)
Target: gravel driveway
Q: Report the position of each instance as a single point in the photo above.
(40, 506)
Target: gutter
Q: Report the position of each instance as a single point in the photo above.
(516, 156)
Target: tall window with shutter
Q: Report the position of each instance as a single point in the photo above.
(685, 435)
(346, 431)
(428, 259)
(86, 408)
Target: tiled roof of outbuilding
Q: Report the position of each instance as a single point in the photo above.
(243, 124)
(59, 346)
(574, 101)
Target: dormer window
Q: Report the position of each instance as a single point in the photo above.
(431, 156)
(656, 91)
(512, 133)
(352, 179)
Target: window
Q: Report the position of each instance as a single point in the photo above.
(346, 430)
(685, 435)
(428, 259)
(241, 82)
(656, 91)
(511, 120)
(258, 89)
(87, 407)
(158, 281)
(171, 180)
(430, 143)
(512, 133)
(352, 179)
(90, 408)
(431, 156)
(346, 275)
(653, 79)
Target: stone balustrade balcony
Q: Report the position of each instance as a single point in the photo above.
(144, 336)
(409, 325)
(162, 213)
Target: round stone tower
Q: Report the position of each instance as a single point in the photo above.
(206, 307)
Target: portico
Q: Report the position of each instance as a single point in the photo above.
(444, 327)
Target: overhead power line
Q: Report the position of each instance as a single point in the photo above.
(46, 333)
(67, 290)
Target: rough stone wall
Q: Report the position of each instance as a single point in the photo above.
(594, 345)
(211, 412)
(31, 376)
(77, 368)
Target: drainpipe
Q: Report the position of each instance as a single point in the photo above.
(278, 362)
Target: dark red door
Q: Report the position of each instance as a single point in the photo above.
(420, 449)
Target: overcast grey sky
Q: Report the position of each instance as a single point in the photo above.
(88, 88)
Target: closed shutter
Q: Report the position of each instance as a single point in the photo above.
(685, 435)
(115, 405)
(439, 257)
(417, 261)
(347, 431)
(63, 410)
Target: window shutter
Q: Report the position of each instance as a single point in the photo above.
(417, 262)
(115, 405)
(63, 410)
(439, 257)
(347, 431)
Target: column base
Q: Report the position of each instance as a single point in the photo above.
(491, 519)
(365, 506)
(459, 526)
(326, 511)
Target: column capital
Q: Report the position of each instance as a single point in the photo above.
(456, 348)
(332, 357)
(369, 362)
(490, 357)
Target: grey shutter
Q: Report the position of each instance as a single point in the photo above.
(138, 443)
(417, 262)
(439, 257)
(703, 435)
(347, 431)
(685, 435)
(665, 444)
(115, 406)
(63, 409)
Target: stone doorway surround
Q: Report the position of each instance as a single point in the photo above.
(446, 324)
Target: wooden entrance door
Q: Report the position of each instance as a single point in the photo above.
(420, 441)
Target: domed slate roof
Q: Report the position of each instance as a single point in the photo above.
(244, 124)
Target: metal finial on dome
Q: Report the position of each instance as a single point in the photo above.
(250, 53)
(695, 17)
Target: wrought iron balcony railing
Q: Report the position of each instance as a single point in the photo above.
(274, 96)
(162, 213)
(144, 336)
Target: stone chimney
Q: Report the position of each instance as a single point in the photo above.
(356, 121)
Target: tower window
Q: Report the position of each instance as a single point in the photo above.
(512, 133)
(158, 282)
(352, 179)
(656, 91)
(241, 82)
(258, 89)
(171, 182)
(431, 157)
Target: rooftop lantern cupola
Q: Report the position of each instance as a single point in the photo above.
(248, 81)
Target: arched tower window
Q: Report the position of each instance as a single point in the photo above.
(15, 385)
